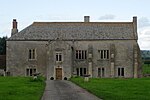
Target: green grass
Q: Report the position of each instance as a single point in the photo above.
(146, 69)
(21, 88)
(117, 89)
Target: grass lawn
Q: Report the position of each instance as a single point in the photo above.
(146, 69)
(21, 88)
(117, 89)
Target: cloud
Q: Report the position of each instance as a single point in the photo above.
(144, 38)
(143, 22)
(144, 33)
(107, 17)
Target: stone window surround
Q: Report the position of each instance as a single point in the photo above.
(101, 72)
(58, 56)
(121, 71)
(30, 70)
(104, 54)
(80, 54)
(32, 54)
(81, 71)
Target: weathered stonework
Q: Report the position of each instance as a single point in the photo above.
(48, 39)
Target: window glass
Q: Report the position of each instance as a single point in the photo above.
(59, 56)
(104, 54)
(121, 72)
(32, 54)
(101, 72)
(81, 71)
(81, 54)
(30, 71)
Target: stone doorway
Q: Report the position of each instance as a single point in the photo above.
(58, 73)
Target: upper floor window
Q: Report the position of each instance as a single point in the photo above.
(104, 54)
(32, 54)
(81, 54)
(58, 56)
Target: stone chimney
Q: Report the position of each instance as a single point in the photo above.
(86, 18)
(135, 26)
(135, 19)
(14, 27)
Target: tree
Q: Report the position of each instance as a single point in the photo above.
(3, 45)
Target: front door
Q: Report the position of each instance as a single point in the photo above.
(58, 73)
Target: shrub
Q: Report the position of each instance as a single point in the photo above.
(65, 78)
(52, 78)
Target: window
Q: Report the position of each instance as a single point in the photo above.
(81, 71)
(32, 54)
(104, 54)
(81, 54)
(30, 71)
(58, 56)
(121, 72)
(77, 71)
(101, 72)
(84, 71)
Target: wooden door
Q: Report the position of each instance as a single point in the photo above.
(58, 73)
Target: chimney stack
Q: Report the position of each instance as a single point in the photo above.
(135, 26)
(86, 18)
(14, 27)
(135, 19)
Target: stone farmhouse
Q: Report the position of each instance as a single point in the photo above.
(59, 50)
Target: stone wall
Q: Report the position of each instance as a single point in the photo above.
(66, 63)
(123, 56)
(17, 57)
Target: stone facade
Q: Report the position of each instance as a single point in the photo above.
(61, 50)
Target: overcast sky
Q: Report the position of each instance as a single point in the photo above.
(28, 11)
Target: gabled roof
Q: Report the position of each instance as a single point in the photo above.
(76, 31)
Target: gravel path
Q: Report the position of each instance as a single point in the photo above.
(65, 90)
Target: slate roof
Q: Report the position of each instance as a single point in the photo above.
(76, 31)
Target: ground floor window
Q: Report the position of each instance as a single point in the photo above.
(101, 72)
(30, 71)
(81, 71)
(120, 72)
